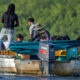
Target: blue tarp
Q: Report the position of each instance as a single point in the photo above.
(31, 48)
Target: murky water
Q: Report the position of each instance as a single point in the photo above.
(38, 78)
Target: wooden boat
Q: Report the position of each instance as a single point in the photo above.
(33, 67)
(21, 64)
(47, 65)
(57, 68)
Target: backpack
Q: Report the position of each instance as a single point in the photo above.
(39, 28)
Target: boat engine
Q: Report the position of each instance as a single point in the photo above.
(47, 57)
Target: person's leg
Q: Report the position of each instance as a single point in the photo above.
(2, 34)
(10, 36)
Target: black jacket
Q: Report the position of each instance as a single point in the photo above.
(9, 20)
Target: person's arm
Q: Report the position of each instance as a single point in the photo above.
(31, 31)
(17, 21)
(30, 36)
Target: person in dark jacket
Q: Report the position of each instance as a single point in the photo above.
(10, 21)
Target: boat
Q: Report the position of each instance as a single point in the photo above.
(66, 68)
(47, 65)
(33, 67)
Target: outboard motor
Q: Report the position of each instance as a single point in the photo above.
(47, 57)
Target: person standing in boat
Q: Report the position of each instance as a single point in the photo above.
(10, 21)
(32, 34)
(32, 31)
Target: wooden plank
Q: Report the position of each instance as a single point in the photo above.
(6, 59)
(63, 68)
(8, 69)
(5, 62)
(28, 67)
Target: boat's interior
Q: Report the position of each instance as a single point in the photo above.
(58, 53)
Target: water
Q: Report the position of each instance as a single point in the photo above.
(38, 78)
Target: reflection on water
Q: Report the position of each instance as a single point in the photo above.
(37, 78)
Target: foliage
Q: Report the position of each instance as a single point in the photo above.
(60, 17)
